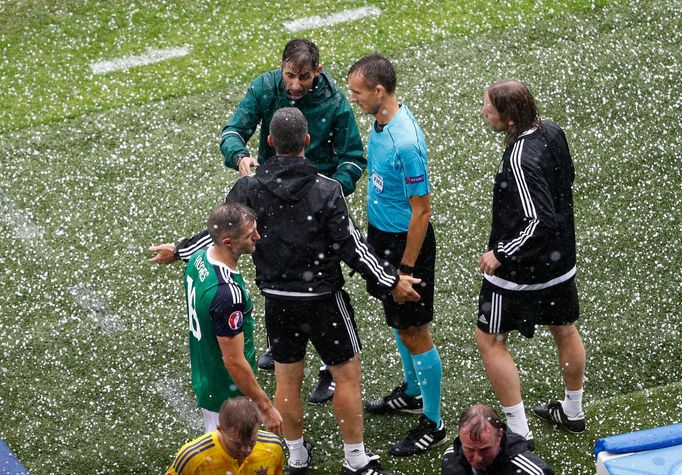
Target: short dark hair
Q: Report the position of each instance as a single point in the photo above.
(375, 70)
(301, 53)
(288, 129)
(240, 414)
(476, 418)
(513, 100)
(228, 220)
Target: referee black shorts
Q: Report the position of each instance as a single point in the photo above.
(501, 310)
(391, 246)
(328, 323)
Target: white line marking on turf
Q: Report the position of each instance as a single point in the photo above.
(340, 17)
(91, 303)
(151, 56)
(18, 222)
(167, 388)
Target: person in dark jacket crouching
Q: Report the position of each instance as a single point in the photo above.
(486, 446)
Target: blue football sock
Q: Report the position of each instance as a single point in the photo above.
(429, 375)
(408, 367)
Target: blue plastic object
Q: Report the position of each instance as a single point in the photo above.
(9, 465)
(649, 439)
(666, 461)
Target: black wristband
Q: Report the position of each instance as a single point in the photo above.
(405, 269)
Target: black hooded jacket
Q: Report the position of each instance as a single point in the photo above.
(514, 458)
(306, 231)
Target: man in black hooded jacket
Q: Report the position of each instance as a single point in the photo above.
(486, 447)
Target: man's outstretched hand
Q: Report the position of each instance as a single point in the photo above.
(165, 253)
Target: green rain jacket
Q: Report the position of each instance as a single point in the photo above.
(335, 144)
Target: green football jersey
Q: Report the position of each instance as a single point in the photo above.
(218, 304)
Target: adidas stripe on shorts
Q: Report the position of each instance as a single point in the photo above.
(501, 310)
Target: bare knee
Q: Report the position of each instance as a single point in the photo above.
(565, 334)
(347, 373)
(289, 376)
(417, 338)
(488, 342)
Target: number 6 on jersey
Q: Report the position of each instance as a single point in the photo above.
(191, 309)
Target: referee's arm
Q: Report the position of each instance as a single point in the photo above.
(419, 223)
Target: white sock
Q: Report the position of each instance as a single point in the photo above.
(298, 455)
(516, 419)
(573, 402)
(355, 454)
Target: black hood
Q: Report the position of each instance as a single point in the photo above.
(510, 446)
(288, 178)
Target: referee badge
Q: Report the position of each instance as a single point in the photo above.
(411, 180)
(235, 320)
(378, 182)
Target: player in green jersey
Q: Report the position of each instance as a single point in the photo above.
(219, 308)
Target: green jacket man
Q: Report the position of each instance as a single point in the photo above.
(335, 146)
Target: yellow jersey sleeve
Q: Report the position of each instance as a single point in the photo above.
(192, 454)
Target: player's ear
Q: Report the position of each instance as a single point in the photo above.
(380, 90)
(270, 142)
(307, 139)
(318, 70)
(227, 241)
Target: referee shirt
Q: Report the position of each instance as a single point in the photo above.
(397, 170)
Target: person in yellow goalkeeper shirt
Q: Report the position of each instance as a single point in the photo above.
(237, 447)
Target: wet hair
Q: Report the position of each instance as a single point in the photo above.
(288, 129)
(375, 70)
(476, 418)
(240, 414)
(514, 101)
(300, 54)
(228, 220)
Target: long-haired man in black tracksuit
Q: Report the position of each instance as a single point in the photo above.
(529, 268)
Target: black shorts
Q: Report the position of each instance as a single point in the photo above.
(501, 311)
(391, 246)
(328, 322)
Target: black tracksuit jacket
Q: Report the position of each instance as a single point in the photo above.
(306, 231)
(514, 458)
(532, 232)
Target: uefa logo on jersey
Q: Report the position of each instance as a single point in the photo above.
(235, 320)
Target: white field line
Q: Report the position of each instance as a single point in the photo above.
(167, 388)
(151, 56)
(340, 17)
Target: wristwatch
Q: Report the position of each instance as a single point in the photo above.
(405, 269)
